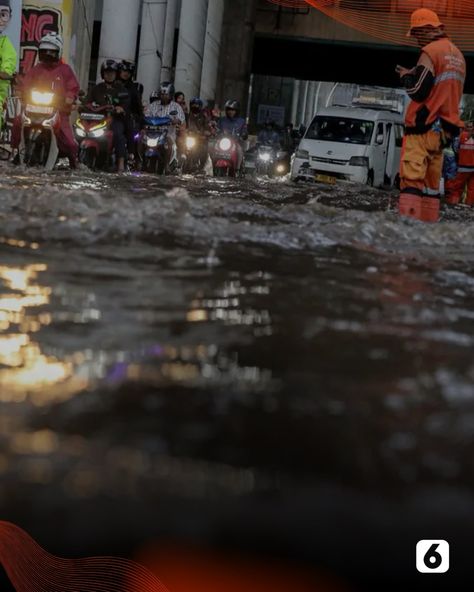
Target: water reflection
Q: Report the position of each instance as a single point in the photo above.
(24, 369)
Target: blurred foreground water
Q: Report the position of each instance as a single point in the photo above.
(279, 369)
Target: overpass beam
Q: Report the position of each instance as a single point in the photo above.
(168, 42)
(118, 38)
(192, 36)
(151, 44)
(212, 49)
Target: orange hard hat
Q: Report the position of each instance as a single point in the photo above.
(424, 17)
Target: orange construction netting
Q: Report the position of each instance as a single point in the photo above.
(389, 20)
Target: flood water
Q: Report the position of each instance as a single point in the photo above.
(281, 369)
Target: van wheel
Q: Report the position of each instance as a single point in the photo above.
(370, 179)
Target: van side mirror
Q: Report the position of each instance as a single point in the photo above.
(379, 140)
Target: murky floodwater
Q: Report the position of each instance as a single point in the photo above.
(228, 361)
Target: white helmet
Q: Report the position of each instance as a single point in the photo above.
(52, 41)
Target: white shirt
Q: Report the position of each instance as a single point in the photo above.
(156, 109)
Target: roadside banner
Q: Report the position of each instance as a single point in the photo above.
(39, 17)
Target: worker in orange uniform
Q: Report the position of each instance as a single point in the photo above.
(435, 86)
(465, 173)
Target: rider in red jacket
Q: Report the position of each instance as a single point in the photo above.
(52, 72)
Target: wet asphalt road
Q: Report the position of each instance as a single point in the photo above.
(278, 369)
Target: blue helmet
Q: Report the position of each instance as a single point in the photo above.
(196, 102)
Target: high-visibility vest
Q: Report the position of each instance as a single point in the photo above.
(445, 96)
(466, 150)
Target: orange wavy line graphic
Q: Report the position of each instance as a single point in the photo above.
(31, 569)
(388, 20)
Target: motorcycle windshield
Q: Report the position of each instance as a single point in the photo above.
(157, 121)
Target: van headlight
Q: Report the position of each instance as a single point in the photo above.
(304, 154)
(362, 161)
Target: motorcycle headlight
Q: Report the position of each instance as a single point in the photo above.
(265, 156)
(190, 143)
(80, 132)
(152, 142)
(42, 98)
(225, 144)
(281, 168)
(98, 133)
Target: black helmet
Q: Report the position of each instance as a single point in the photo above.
(167, 88)
(196, 102)
(108, 65)
(232, 105)
(127, 66)
(155, 96)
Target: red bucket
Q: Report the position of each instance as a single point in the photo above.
(430, 209)
(410, 205)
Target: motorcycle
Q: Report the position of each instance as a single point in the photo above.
(40, 118)
(155, 145)
(95, 137)
(225, 156)
(267, 160)
(195, 153)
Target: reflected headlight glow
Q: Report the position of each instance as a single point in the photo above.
(152, 142)
(42, 98)
(190, 142)
(225, 144)
(265, 156)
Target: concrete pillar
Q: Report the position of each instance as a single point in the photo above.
(171, 25)
(118, 38)
(235, 65)
(151, 45)
(212, 49)
(192, 36)
(81, 42)
(302, 102)
(295, 101)
(309, 110)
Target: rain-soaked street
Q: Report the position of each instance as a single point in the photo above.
(282, 369)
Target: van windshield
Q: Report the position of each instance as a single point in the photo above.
(340, 129)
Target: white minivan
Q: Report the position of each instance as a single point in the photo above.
(351, 144)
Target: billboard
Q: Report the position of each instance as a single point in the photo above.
(39, 17)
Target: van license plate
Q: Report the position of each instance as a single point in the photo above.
(325, 179)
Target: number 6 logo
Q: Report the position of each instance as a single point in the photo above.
(432, 556)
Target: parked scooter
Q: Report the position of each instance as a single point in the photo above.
(95, 137)
(40, 118)
(156, 150)
(225, 156)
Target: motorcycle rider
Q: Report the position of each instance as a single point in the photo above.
(162, 104)
(199, 123)
(268, 136)
(126, 73)
(52, 73)
(234, 125)
(112, 92)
